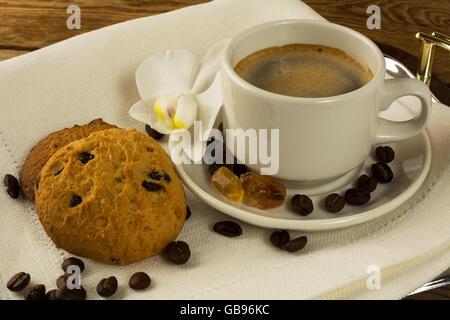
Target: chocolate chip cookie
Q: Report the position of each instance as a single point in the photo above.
(38, 156)
(113, 197)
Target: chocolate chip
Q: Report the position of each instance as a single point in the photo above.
(279, 238)
(70, 294)
(166, 177)
(178, 252)
(139, 281)
(239, 168)
(334, 202)
(295, 244)
(37, 292)
(107, 287)
(155, 175)
(382, 172)
(302, 204)
(51, 295)
(356, 196)
(18, 282)
(85, 157)
(228, 228)
(367, 183)
(58, 172)
(153, 133)
(76, 200)
(385, 153)
(12, 186)
(36, 184)
(151, 186)
(188, 212)
(72, 261)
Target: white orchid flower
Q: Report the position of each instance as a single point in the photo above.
(176, 89)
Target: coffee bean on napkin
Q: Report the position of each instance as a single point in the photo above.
(139, 281)
(37, 292)
(295, 244)
(18, 282)
(228, 228)
(178, 252)
(72, 261)
(107, 287)
(12, 186)
(279, 238)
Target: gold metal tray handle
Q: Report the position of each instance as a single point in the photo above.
(429, 43)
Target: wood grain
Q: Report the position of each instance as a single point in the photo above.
(400, 21)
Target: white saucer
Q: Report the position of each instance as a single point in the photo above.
(410, 166)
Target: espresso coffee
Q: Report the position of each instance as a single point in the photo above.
(304, 70)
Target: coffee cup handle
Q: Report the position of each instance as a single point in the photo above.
(390, 131)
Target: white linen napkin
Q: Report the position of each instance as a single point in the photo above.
(92, 75)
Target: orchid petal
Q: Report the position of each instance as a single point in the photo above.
(209, 103)
(186, 112)
(172, 71)
(209, 66)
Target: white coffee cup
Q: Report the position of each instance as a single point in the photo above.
(319, 138)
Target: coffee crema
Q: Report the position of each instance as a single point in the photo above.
(304, 70)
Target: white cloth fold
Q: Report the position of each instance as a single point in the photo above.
(92, 75)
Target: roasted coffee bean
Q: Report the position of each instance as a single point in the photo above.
(295, 244)
(37, 292)
(302, 204)
(18, 281)
(178, 252)
(279, 238)
(76, 200)
(367, 183)
(228, 228)
(385, 153)
(72, 261)
(151, 186)
(239, 168)
(61, 282)
(153, 133)
(85, 157)
(51, 295)
(70, 294)
(107, 287)
(155, 175)
(382, 172)
(12, 186)
(58, 172)
(334, 202)
(188, 212)
(166, 177)
(356, 196)
(139, 281)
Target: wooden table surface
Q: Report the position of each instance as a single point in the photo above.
(27, 25)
